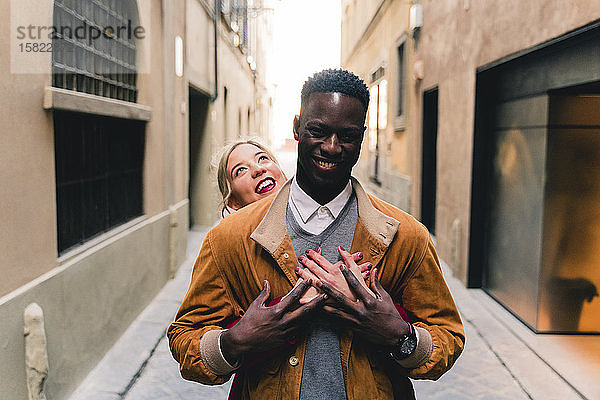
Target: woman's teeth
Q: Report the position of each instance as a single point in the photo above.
(264, 185)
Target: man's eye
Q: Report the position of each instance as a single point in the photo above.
(316, 132)
(347, 137)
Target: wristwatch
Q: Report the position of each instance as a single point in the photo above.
(406, 346)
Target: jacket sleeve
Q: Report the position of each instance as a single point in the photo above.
(429, 304)
(208, 306)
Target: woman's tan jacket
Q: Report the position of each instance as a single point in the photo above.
(252, 245)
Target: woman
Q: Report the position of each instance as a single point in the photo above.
(247, 172)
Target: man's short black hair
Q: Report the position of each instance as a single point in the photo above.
(336, 80)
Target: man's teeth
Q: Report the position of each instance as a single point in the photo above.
(265, 184)
(326, 164)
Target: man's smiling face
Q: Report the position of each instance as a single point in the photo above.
(329, 132)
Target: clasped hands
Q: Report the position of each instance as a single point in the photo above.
(341, 292)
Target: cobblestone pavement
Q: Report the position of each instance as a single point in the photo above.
(494, 364)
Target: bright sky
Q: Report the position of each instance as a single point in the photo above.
(307, 40)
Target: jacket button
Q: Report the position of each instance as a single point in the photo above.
(286, 255)
(293, 361)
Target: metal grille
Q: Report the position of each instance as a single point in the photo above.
(103, 66)
(99, 172)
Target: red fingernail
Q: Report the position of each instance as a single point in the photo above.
(297, 269)
(369, 264)
(319, 250)
(360, 254)
(342, 247)
(306, 251)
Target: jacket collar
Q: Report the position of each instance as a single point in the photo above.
(271, 231)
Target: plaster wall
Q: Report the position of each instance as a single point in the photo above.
(92, 293)
(364, 54)
(221, 123)
(459, 36)
(88, 302)
(27, 199)
(151, 88)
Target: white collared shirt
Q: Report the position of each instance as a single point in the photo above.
(310, 215)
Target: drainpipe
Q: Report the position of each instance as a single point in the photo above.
(216, 32)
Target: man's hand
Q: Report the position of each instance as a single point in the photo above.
(362, 270)
(318, 268)
(264, 328)
(375, 318)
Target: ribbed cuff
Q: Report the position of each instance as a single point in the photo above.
(212, 356)
(422, 352)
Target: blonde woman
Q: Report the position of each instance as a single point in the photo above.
(247, 171)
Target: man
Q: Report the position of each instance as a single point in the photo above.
(346, 342)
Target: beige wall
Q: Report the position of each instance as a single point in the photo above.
(27, 200)
(92, 293)
(457, 38)
(367, 44)
(233, 73)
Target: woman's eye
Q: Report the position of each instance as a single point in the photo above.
(263, 158)
(239, 171)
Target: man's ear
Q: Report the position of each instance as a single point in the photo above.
(296, 126)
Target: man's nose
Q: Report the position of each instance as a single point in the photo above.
(257, 170)
(332, 144)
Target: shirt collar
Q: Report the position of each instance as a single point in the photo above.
(307, 206)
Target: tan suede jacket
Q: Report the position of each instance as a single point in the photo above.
(252, 245)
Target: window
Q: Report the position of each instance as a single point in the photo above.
(235, 13)
(401, 82)
(98, 159)
(99, 167)
(103, 65)
(377, 124)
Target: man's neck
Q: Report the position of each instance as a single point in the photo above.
(321, 194)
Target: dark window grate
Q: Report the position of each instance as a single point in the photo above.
(101, 66)
(99, 174)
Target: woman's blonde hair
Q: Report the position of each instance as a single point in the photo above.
(226, 151)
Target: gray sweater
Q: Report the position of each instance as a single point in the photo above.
(322, 377)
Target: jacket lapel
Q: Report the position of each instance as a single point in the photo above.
(271, 234)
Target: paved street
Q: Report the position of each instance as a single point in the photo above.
(494, 365)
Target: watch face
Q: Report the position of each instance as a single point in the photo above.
(408, 346)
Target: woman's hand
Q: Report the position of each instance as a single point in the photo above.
(318, 268)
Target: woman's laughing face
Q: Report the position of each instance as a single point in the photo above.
(252, 175)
